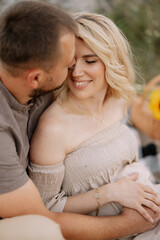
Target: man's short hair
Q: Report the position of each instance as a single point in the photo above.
(30, 33)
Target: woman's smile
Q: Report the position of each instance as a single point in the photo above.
(81, 84)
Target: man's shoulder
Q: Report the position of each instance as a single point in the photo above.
(4, 109)
(3, 98)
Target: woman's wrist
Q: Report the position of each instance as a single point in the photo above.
(107, 193)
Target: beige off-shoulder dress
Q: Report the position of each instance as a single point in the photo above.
(103, 158)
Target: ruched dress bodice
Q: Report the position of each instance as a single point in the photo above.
(95, 162)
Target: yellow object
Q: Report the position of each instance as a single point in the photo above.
(154, 104)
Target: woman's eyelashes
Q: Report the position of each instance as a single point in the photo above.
(86, 61)
(90, 61)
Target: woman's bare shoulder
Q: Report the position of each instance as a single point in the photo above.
(53, 118)
(48, 145)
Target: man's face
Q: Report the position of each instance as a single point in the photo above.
(55, 78)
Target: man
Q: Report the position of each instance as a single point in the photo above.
(36, 50)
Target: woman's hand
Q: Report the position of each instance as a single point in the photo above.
(135, 195)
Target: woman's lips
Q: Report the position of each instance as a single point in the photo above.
(81, 84)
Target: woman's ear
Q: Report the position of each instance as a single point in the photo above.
(34, 78)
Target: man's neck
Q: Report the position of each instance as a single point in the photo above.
(16, 87)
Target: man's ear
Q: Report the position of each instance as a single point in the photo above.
(34, 78)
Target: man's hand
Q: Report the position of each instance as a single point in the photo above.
(137, 222)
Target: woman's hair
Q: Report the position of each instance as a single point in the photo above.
(104, 38)
(29, 35)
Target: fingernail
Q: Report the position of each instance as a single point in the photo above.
(151, 220)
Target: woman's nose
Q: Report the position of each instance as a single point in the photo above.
(77, 70)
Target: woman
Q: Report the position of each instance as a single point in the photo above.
(81, 148)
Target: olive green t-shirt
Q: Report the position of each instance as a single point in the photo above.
(17, 124)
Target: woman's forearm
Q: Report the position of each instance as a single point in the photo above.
(86, 202)
(125, 191)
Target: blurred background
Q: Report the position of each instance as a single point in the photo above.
(138, 19)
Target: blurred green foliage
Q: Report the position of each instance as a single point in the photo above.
(140, 22)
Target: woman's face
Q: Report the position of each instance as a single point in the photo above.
(87, 77)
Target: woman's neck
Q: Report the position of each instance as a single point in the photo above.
(92, 105)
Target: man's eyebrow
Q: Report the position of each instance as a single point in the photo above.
(89, 55)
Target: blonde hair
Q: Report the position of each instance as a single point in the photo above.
(104, 38)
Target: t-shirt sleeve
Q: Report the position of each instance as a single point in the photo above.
(12, 173)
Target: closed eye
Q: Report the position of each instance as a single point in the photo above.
(93, 61)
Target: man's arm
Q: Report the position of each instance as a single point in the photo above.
(105, 228)
(27, 200)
